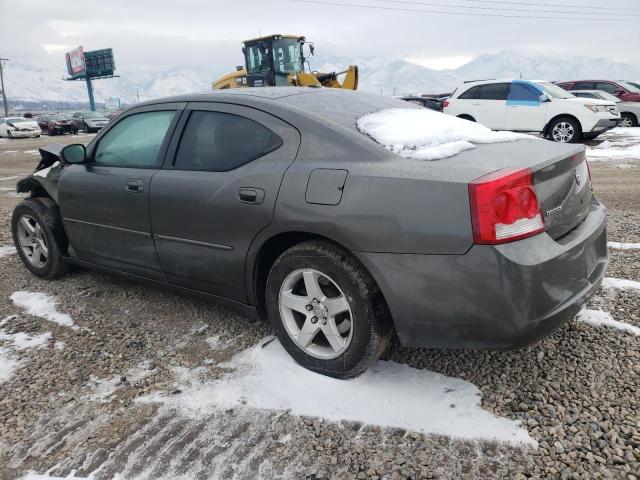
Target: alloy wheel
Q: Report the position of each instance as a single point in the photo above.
(625, 122)
(563, 132)
(32, 241)
(316, 313)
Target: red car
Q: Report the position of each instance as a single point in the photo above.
(623, 90)
(56, 124)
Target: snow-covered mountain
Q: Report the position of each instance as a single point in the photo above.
(39, 79)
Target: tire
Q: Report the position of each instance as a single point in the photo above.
(565, 130)
(467, 117)
(628, 120)
(362, 320)
(87, 129)
(46, 236)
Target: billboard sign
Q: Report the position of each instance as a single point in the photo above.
(99, 63)
(75, 61)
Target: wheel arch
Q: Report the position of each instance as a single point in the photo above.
(466, 116)
(545, 132)
(264, 256)
(631, 114)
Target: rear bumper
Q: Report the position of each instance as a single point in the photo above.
(493, 297)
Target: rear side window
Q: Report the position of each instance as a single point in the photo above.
(135, 141)
(219, 142)
(494, 91)
(470, 94)
(584, 86)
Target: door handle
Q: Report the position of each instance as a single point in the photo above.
(251, 195)
(135, 186)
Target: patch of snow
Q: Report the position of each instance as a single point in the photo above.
(388, 394)
(600, 318)
(7, 250)
(10, 151)
(213, 342)
(425, 134)
(59, 345)
(22, 340)
(619, 144)
(7, 364)
(103, 389)
(32, 152)
(620, 284)
(31, 475)
(6, 179)
(43, 173)
(623, 246)
(42, 305)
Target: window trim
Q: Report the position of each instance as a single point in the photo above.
(170, 162)
(166, 107)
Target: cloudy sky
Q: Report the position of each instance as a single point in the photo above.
(193, 32)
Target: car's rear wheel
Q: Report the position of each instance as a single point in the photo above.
(38, 237)
(628, 120)
(565, 130)
(326, 310)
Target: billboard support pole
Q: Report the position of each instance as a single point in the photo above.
(92, 103)
(4, 95)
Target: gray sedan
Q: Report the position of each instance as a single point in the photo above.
(273, 201)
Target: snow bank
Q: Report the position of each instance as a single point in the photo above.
(600, 318)
(388, 394)
(42, 305)
(7, 250)
(623, 246)
(620, 284)
(22, 341)
(619, 144)
(424, 134)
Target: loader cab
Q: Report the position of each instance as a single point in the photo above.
(270, 60)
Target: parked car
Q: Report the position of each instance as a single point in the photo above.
(625, 91)
(56, 124)
(18, 127)
(635, 83)
(532, 106)
(111, 115)
(275, 202)
(89, 121)
(426, 102)
(629, 111)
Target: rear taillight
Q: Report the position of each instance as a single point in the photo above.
(445, 104)
(504, 207)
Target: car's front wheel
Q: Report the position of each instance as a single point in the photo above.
(38, 237)
(9, 134)
(565, 130)
(326, 310)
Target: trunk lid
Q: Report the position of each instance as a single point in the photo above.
(564, 193)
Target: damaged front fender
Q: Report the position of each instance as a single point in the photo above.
(43, 182)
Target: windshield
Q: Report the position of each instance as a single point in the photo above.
(16, 119)
(630, 87)
(554, 90)
(286, 55)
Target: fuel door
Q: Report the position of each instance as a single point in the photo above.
(325, 186)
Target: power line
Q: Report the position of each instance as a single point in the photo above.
(476, 7)
(470, 14)
(504, 2)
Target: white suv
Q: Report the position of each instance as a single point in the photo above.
(532, 106)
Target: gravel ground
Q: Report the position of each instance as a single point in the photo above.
(70, 405)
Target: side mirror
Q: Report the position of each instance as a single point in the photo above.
(76, 153)
(544, 98)
(311, 48)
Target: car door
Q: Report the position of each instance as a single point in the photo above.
(525, 111)
(104, 203)
(217, 190)
(490, 105)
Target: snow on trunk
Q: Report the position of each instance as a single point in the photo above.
(424, 134)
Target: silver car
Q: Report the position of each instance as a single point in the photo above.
(629, 111)
(273, 201)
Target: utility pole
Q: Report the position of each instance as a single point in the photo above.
(138, 94)
(4, 95)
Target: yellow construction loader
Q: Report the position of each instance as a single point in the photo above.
(279, 60)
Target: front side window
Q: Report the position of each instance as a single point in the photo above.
(256, 60)
(135, 141)
(219, 142)
(494, 91)
(607, 87)
(584, 86)
(524, 92)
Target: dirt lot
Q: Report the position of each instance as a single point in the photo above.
(120, 381)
